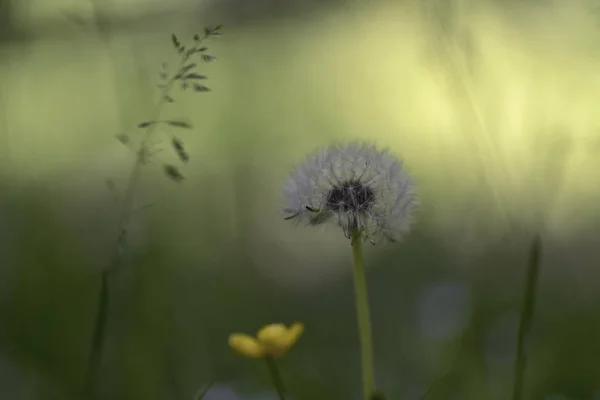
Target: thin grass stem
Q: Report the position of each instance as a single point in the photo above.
(527, 314)
(116, 260)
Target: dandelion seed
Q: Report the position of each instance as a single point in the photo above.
(356, 186)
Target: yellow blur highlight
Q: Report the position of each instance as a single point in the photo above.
(493, 106)
(271, 341)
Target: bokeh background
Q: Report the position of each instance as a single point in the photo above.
(493, 105)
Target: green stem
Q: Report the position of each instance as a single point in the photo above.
(101, 320)
(276, 378)
(97, 338)
(363, 318)
(133, 181)
(527, 313)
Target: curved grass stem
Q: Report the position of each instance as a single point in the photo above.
(101, 319)
(116, 260)
(527, 313)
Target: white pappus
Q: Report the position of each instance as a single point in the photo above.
(362, 189)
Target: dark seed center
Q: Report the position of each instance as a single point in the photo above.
(350, 196)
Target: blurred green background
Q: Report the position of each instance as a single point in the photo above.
(493, 105)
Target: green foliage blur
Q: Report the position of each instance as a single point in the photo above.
(492, 105)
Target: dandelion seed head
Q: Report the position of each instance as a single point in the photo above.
(354, 186)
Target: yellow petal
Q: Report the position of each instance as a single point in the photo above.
(246, 345)
(271, 333)
(292, 335)
(295, 331)
(277, 339)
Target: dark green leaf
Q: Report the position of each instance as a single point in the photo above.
(180, 150)
(177, 144)
(208, 58)
(196, 37)
(206, 31)
(146, 124)
(123, 138)
(201, 88)
(218, 27)
(185, 85)
(188, 67)
(176, 41)
(194, 76)
(179, 124)
(185, 70)
(169, 99)
(201, 49)
(173, 173)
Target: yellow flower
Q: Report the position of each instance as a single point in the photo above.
(271, 341)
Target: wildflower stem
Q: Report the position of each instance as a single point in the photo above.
(363, 317)
(276, 377)
(101, 320)
(125, 213)
(527, 313)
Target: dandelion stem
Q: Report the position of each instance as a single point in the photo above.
(363, 318)
(276, 378)
(527, 313)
